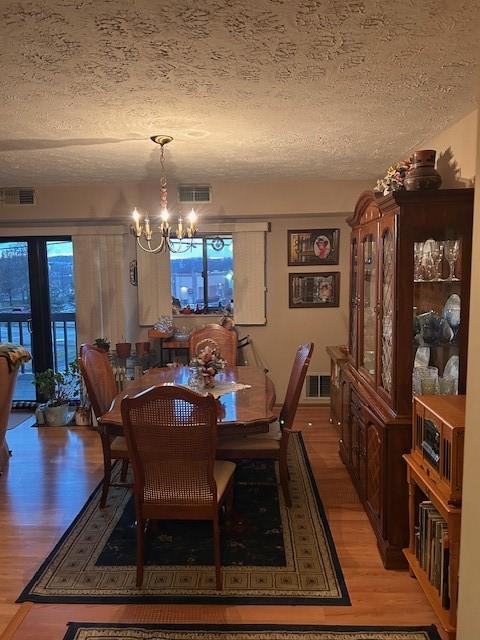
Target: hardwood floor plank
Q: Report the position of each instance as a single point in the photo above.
(54, 470)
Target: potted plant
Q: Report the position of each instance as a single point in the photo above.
(123, 349)
(56, 389)
(83, 412)
(142, 348)
(102, 343)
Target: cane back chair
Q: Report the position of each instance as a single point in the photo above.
(101, 388)
(171, 435)
(226, 339)
(274, 445)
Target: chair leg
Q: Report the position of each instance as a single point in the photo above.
(229, 502)
(216, 545)
(107, 469)
(284, 476)
(140, 551)
(123, 473)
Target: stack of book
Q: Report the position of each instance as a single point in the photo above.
(432, 549)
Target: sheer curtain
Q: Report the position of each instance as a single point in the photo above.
(100, 276)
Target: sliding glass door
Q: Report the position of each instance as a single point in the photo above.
(37, 305)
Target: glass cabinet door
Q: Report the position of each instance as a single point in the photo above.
(368, 353)
(437, 314)
(353, 332)
(387, 297)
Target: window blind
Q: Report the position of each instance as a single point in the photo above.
(154, 287)
(249, 277)
(99, 291)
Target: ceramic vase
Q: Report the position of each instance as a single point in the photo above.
(56, 416)
(123, 349)
(422, 174)
(141, 348)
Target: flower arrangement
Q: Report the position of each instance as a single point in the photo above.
(394, 178)
(208, 360)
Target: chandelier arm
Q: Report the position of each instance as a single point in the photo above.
(148, 248)
(183, 246)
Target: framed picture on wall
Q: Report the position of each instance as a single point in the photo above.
(311, 290)
(313, 247)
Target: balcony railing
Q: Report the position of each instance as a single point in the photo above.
(15, 327)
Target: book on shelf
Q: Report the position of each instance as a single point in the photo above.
(431, 549)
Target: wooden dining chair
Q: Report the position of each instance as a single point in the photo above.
(274, 445)
(171, 435)
(226, 339)
(8, 377)
(101, 388)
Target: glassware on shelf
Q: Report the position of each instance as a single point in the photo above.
(447, 385)
(429, 386)
(418, 261)
(452, 250)
(425, 380)
(429, 272)
(437, 251)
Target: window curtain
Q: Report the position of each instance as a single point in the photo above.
(249, 277)
(154, 287)
(100, 273)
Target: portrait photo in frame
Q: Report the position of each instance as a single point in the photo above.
(313, 247)
(312, 290)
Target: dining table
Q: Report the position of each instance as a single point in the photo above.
(245, 404)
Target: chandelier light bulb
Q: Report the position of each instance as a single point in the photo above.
(136, 222)
(164, 215)
(192, 217)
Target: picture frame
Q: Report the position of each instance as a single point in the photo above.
(314, 290)
(313, 247)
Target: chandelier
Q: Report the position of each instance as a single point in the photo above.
(177, 239)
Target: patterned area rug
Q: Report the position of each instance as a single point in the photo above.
(270, 554)
(86, 631)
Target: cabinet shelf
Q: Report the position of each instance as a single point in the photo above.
(446, 281)
(437, 345)
(374, 398)
(444, 615)
(423, 481)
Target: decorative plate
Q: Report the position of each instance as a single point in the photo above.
(451, 310)
(451, 370)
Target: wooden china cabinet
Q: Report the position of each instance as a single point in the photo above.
(406, 301)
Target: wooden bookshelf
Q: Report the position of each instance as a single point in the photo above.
(421, 487)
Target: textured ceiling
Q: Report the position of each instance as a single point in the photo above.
(325, 89)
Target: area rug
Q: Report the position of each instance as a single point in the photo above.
(87, 631)
(270, 554)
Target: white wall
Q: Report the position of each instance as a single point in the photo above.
(469, 596)
(456, 149)
(285, 204)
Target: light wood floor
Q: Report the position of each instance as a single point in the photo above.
(53, 471)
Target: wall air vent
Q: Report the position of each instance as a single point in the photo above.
(317, 387)
(16, 196)
(191, 193)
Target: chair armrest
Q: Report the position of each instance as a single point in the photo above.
(291, 430)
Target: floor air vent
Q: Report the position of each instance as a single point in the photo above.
(317, 387)
(194, 193)
(16, 196)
